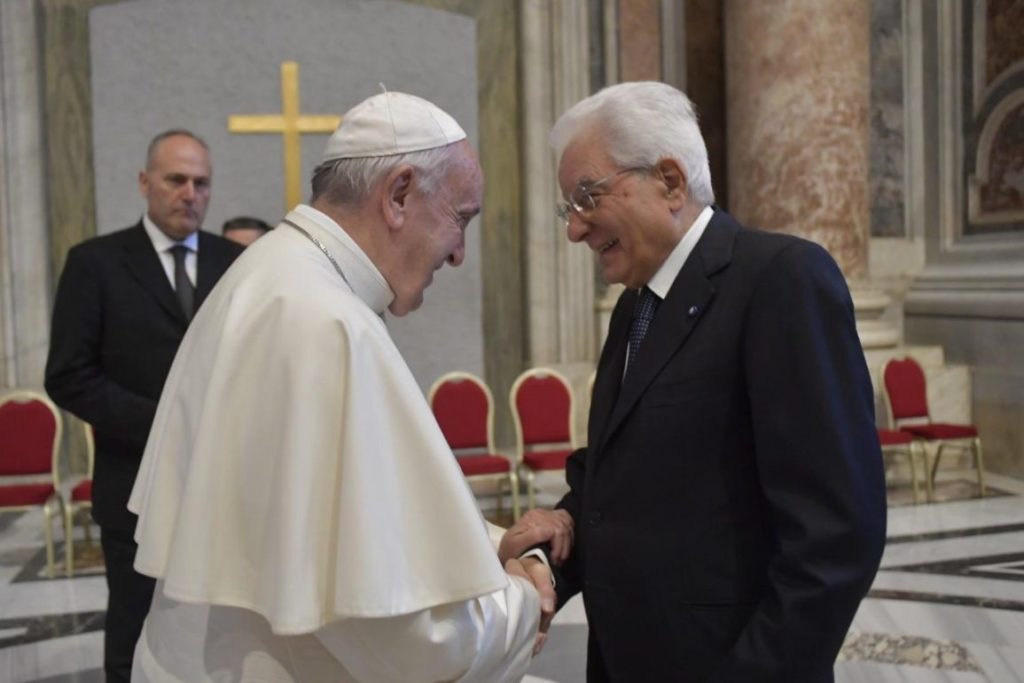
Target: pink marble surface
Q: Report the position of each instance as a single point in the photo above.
(797, 107)
(639, 40)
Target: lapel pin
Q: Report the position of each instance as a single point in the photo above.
(694, 310)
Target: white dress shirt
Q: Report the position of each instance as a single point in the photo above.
(163, 244)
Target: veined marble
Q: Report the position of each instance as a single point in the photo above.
(946, 606)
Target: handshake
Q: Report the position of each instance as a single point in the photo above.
(553, 528)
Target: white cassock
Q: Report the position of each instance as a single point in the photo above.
(297, 502)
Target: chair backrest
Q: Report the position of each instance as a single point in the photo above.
(542, 408)
(905, 388)
(30, 433)
(464, 408)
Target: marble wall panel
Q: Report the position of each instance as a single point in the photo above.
(797, 75)
(639, 40)
(1003, 191)
(705, 84)
(992, 72)
(1003, 44)
(887, 144)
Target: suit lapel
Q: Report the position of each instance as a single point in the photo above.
(613, 359)
(142, 262)
(678, 316)
(207, 269)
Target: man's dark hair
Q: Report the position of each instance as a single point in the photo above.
(244, 222)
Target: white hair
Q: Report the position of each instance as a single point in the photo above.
(641, 123)
(349, 181)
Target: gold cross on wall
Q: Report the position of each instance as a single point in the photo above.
(290, 124)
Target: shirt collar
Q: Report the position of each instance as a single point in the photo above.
(666, 275)
(161, 242)
(362, 275)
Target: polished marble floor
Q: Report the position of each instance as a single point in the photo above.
(947, 605)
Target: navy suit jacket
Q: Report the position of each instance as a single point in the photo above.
(116, 327)
(730, 507)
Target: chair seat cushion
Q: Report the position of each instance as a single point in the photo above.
(891, 437)
(942, 430)
(82, 493)
(546, 460)
(25, 494)
(483, 464)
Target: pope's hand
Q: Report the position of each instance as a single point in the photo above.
(554, 527)
(537, 573)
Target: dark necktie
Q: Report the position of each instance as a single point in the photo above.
(646, 305)
(182, 285)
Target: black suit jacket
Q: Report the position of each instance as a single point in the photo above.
(116, 327)
(730, 507)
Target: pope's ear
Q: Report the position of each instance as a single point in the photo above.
(396, 188)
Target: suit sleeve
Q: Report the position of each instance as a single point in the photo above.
(75, 377)
(819, 464)
(567, 576)
(486, 639)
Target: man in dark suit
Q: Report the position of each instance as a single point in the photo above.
(123, 303)
(729, 511)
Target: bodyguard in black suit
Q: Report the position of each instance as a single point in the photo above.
(123, 303)
(729, 511)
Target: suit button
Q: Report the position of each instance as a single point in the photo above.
(595, 519)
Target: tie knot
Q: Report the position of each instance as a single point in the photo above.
(646, 304)
(178, 251)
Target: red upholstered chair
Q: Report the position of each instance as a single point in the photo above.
(464, 408)
(895, 442)
(79, 500)
(907, 398)
(30, 433)
(542, 409)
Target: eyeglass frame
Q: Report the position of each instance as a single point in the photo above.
(573, 206)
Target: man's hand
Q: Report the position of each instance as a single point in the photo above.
(539, 526)
(537, 573)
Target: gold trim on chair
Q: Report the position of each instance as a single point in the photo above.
(510, 477)
(55, 499)
(971, 444)
(521, 446)
(72, 507)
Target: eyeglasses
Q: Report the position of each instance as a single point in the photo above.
(582, 199)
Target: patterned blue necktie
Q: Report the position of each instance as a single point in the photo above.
(643, 314)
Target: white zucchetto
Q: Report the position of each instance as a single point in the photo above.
(392, 123)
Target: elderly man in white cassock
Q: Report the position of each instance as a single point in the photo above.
(297, 502)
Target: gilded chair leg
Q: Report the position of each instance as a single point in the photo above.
(980, 464)
(922, 448)
(48, 520)
(935, 464)
(514, 485)
(913, 474)
(69, 541)
(529, 491)
(499, 505)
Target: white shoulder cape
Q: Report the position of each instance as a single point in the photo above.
(294, 468)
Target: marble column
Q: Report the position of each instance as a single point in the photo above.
(560, 275)
(798, 95)
(25, 275)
